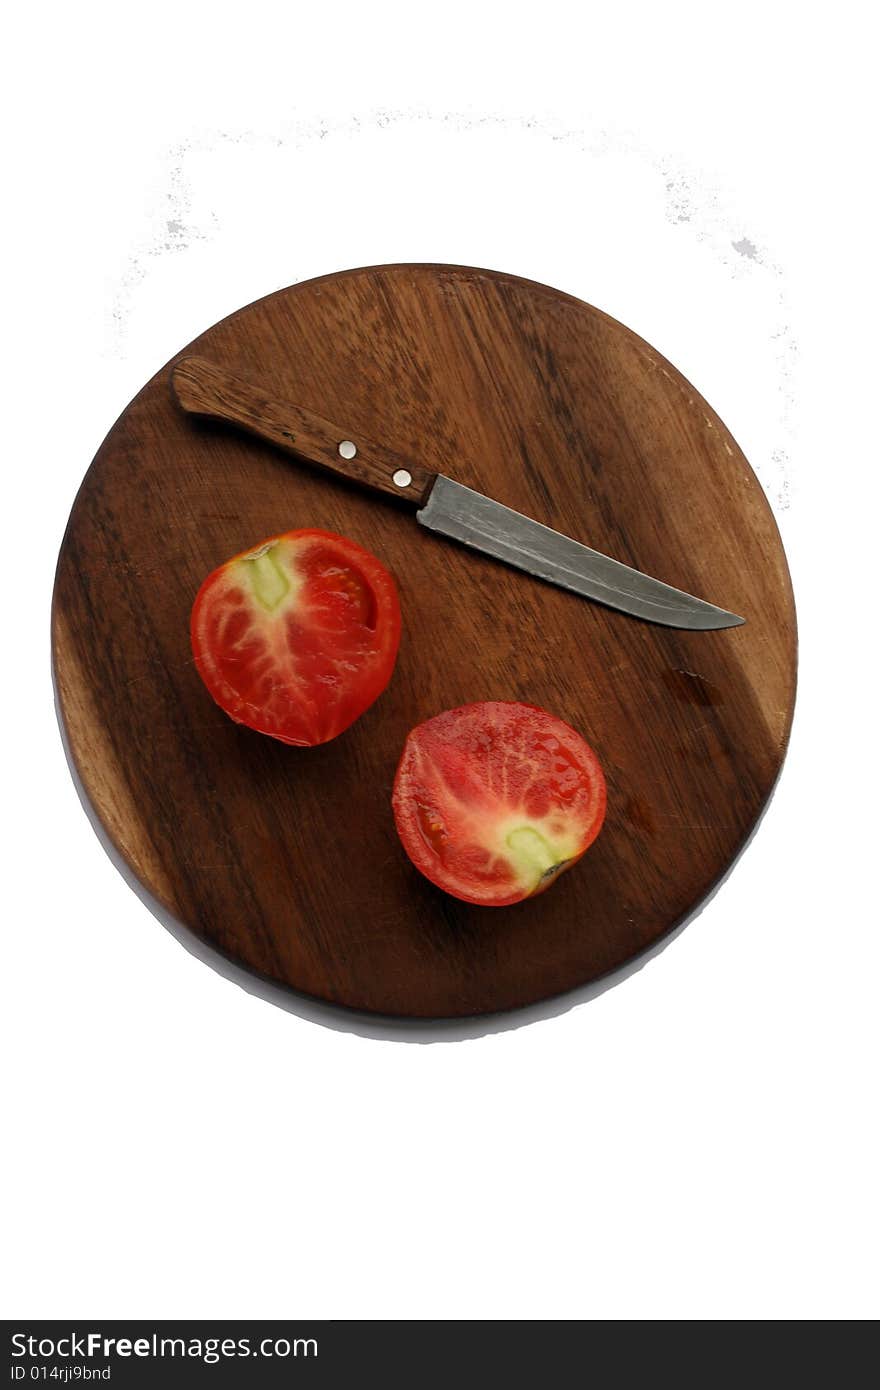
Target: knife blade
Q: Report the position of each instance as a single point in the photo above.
(444, 506)
(476, 521)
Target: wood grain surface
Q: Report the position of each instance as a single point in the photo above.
(286, 860)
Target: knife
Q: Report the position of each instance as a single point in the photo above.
(202, 388)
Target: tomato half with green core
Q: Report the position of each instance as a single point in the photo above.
(493, 801)
(298, 636)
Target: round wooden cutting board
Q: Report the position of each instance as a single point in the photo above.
(287, 860)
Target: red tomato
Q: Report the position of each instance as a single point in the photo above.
(493, 801)
(297, 637)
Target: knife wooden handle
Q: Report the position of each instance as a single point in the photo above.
(205, 389)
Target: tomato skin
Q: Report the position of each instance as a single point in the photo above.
(493, 801)
(297, 636)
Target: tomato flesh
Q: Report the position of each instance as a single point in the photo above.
(298, 636)
(493, 801)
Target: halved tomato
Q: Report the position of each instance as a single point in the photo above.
(297, 637)
(493, 801)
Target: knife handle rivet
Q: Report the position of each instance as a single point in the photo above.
(347, 449)
(401, 478)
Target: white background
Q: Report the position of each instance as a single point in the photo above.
(698, 1142)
